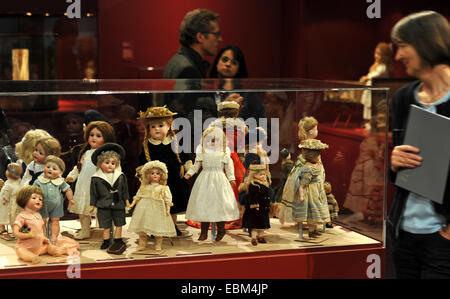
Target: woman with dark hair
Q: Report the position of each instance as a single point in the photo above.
(229, 65)
(418, 227)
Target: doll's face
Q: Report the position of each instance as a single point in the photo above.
(74, 125)
(52, 171)
(39, 154)
(109, 165)
(260, 176)
(35, 202)
(212, 142)
(95, 138)
(311, 134)
(159, 130)
(154, 175)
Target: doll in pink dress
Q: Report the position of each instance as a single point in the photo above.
(29, 229)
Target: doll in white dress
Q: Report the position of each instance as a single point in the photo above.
(96, 134)
(153, 201)
(212, 197)
(8, 196)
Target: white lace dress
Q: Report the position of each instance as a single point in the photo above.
(82, 195)
(150, 214)
(212, 198)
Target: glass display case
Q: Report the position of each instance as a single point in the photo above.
(354, 165)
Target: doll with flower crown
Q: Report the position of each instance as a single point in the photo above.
(212, 198)
(95, 135)
(45, 146)
(160, 143)
(257, 202)
(153, 201)
(307, 128)
(312, 204)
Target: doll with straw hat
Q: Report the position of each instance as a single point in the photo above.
(160, 143)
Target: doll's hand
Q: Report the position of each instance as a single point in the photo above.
(168, 211)
(71, 203)
(46, 241)
(30, 235)
(187, 176)
(5, 202)
(91, 210)
(233, 183)
(69, 179)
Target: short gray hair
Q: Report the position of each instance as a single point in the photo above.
(196, 21)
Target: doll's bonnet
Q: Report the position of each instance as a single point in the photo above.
(154, 164)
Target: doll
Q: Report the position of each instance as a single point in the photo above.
(212, 198)
(235, 130)
(153, 201)
(307, 128)
(257, 202)
(8, 194)
(25, 148)
(53, 185)
(311, 206)
(286, 167)
(109, 194)
(73, 133)
(160, 143)
(29, 229)
(96, 134)
(45, 146)
(333, 206)
(383, 67)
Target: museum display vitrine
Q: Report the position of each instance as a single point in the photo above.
(348, 241)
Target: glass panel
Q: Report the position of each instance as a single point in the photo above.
(354, 163)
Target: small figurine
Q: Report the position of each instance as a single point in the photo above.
(311, 206)
(96, 134)
(25, 148)
(153, 201)
(286, 166)
(44, 147)
(212, 198)
(160, 143)
(53, 185)
(109, 194)
(74, 131)
(307, 128)
(333, 206)
(234, 129)
(29, 229)
(8, 196)
(257, 202)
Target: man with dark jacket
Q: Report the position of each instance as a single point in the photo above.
(199, 37)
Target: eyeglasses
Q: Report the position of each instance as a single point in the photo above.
(217, 34)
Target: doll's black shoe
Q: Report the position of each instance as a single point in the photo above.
(254, 242)
(329, 225)
(179, 233)
(262, 240)
(220, 231)
(118, 247)
(105, 244)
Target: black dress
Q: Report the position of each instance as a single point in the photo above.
(179, 186)
(256, 218)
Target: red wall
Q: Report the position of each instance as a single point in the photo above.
(152, 26)
(320, 39)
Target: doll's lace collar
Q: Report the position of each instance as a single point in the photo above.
(165, 141)
(57, 182)
(116, 174)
